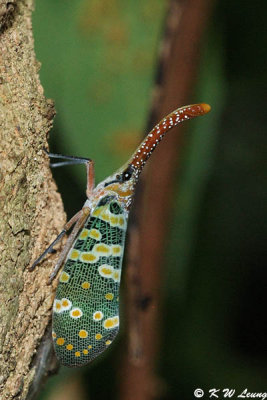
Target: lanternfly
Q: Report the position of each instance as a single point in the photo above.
(86, 306)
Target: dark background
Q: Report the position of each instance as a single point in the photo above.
(98, 63)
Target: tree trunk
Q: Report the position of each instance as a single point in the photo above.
(31, 212)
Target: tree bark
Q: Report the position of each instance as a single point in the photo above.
(31, 212)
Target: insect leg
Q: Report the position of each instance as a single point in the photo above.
(90, 178)
(71, 160)
(79, 224)
(58, 238)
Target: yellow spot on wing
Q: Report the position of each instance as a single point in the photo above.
(74, 254)
(89, 347)
(110, 323)
(116, 275)
(102, 249)
(108, 342)
(58, 305)
(95, 234)
(85, 351)
(105, 217)
(66, 304)
(64, 277)
(69, 347)
(77, 354)
(106, 270)
(84, 234)
(83, 334)
(89, 257)
(98, 336)
(57, 308)
(97, 316)
(85, 285)
(116, 250)
(76, 313)
(60, 341)
(97, 211)
(109, 296)
(113, 220)
(121, 221)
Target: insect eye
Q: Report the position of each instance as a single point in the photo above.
(126, 175)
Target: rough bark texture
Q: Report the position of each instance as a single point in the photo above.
(31, 212)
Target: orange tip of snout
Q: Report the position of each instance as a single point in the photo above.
(205, 107)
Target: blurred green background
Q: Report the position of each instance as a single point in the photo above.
(98, 63)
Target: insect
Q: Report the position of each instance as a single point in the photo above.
(86, 305)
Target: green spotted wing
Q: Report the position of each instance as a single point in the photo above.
(86, 307)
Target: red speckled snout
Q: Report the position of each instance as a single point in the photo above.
(146, 148)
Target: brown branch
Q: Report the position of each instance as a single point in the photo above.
(31, 211)
(180, 52)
